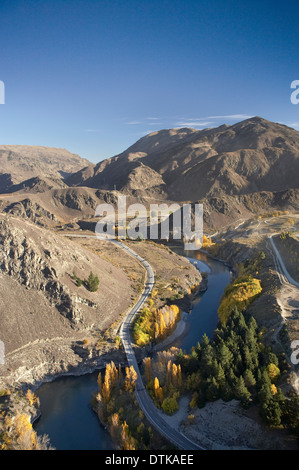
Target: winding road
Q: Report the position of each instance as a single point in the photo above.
(280, 264)
(288, 296)
(145, 402)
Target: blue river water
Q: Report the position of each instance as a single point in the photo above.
(204, 316)
(65, 404)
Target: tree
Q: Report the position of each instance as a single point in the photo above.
(106, 392)
(220, 377)
(193, 381)
(290, 409)
(115, 428)
(170, 405)
(118, 341)
(92, 282)
(148, 369)
(127, 441)
(264, 393)
(131, 378)
(227, 392)
(193, 401)
(179, 375)
(225, 356)
(174, 375)
(181, 358)
(205, 340)
(241, 391)
(25, 436)
(213, 391)
(110, 380)
(271, 358)
(273, 371)
(249, 378)
(31, 397)
(271, 412)
(158, 390)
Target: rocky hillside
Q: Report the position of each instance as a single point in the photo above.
(251, 156)
(234, 171)
(51, 323)
(40, 301)
(19, 163)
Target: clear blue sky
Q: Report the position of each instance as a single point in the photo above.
(95, 76)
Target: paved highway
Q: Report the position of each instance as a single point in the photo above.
(281, 266)
(147, 405)
(143, 398)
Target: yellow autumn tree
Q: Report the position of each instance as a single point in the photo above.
(31, 397)
(110, 380)
(179, 375)
(162, 324)
(239, 294)
(156, 385)
(112, 373)
(273, 371)
(207, 241)
(25, 436)
(174, 373)
(127, 442)
(158, 390)
(115, 428)
(130, 379)
(154, 324)
(106, 392)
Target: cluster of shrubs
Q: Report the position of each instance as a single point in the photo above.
(155, 324)
(91, 283)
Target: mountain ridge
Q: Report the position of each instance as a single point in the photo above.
(235, 171)
(245, 157)
(19, 163)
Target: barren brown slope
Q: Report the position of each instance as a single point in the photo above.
(22, 162)
(55, 207)
(185, 164)
(39, 299)
(235, 171)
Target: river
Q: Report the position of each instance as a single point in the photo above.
(66, 413)
(204, 316)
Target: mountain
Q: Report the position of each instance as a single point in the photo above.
(189, 165)
(19, 163)
(235, 171)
